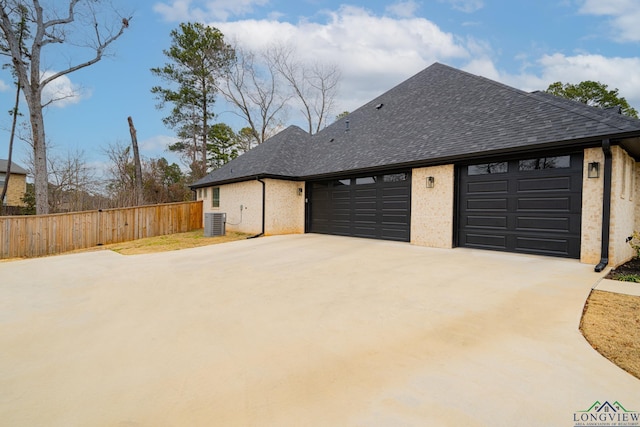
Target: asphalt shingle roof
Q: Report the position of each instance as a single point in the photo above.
(437, 115)
(15, 169)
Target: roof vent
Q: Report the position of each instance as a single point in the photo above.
(331, 140)
(379, 106)
(346, 123)
(616, 109)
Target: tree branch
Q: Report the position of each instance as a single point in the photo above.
(99, 53)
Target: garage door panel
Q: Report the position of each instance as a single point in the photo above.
(543, 224)
(371, 206)
(487, 221)
(491, 241)
(393, 234)
(365, 205)
(395, 190)
(493, 186)
(395, 219)
(487, 204)
(341, 197)
(558, 247)
(539, 211)
(371, 193)
(561, 183)
(557, 204)
(395, 205)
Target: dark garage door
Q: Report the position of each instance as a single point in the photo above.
(375, 206)
(529, 206)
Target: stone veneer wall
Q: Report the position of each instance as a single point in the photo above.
(284, 212)
(432, 209)
(592, 191)
(623, 201)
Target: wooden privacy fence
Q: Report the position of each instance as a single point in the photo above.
(32, 236)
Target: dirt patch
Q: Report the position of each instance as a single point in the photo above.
(611, 324)
(172, 242)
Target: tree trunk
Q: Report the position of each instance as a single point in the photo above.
(10, 156)
(41, 175)
(138, 166)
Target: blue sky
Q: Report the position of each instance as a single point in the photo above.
(377, 44)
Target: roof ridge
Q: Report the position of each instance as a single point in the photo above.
(590, 108)
(583, 110)
(589, 114)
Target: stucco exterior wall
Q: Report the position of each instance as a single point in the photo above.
(232, 196)
(636, 197)
(16, 189)
(592, 193)
(285, 207)
(284, 213)
(432, 209)
(623, 207)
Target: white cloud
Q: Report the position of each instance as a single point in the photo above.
(625, 15)
(377, 52)
(373, 52)
(61, 91)
(483, 67)
(467, 6)
(615, 72)
(3, 86)
(403, 9)
(158, 144)
(205, 10)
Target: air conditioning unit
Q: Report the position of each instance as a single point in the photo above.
(214, 224)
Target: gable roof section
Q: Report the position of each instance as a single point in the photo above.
(15, 169)
(437, 116)
(281, 156)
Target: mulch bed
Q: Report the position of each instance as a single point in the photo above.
(631, 267)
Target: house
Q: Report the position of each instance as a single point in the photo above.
(448, 159)
(17, 183)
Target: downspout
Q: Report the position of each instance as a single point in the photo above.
(264, 199)
(606, 206)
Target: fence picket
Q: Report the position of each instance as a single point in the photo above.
(39, 235)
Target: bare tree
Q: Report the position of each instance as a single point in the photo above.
(120, 175)
(56, 26)
(251, 84)
(137, 163)
(73, 186)
(164, 182)
(314, 85)
(21, 28)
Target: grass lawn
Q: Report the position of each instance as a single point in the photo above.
(172, 242)
(611, 324)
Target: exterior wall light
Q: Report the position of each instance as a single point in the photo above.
(299, 191)
(593, 170)
(431, 181)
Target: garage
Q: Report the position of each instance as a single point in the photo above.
(529, 206)
(373, 206)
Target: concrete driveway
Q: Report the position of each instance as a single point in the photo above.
(303, 330)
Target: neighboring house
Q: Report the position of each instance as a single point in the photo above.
(448, 159)
(17, 183)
